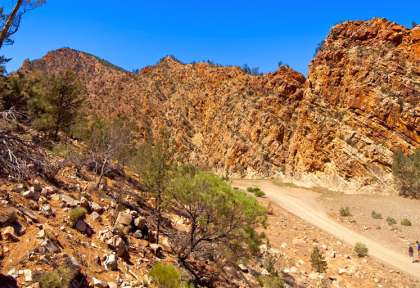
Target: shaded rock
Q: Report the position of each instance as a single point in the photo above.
(7, 216)
(8, 281)
(83, 227)
(157, 250)
(111, 263)
(69, 201)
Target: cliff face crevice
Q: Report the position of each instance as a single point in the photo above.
(337, 128)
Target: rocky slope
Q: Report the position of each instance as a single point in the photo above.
(337, 129)
(361, 103)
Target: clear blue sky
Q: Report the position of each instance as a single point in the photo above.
(135, 33)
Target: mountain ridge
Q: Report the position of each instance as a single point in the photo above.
(265, 125)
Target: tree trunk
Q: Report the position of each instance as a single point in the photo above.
(4, 33)
(101, 175)
(158, 220)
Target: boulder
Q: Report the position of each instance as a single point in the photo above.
(118, 244)
(111, 263)
(8, 281)
(83, 227)
(99, 283)
(69, 201)
(8, 233)
(96, 207)
(123, 222)
(47, 211)
(157, 250)
(7, 216)
(33, 193)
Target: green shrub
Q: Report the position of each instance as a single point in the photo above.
(270, 281)
(256, 191)
(345, 211)
(406, 171)
(76, 214)
(318, 261)
(405, 222)
(59, 278)
(166, 275)
(360, 249)
(391, 221)
(376, 215)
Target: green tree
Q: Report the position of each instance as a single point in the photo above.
(318, 261)
(59, 102)
(16, 90)
(220, 217)
(153, 163)
(406, 171)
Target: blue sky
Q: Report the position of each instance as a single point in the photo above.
(136, 33)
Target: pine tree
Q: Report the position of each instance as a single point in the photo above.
(318, 261)
(58, 105)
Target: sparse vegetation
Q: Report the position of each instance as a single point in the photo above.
(57, 105)
(222, 219)
(406, 171)
(271, 281)
(153, 162)
(256, 191)
(166, 276)
(319, 264)
(251, 71)
(59, 278)
(391, 221)
(76, 214)
(345, 212)
(405, 222)
(376, 215)
(361, 250)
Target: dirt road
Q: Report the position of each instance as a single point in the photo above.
(303, 204)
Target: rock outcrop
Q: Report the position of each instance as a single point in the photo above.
(338, 128)
(361, 103)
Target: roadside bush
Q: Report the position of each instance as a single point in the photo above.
(360, 249)
(318, 261)
(406, 171)
(165, 276)
(405, 222)
(59, 278)
(376, 215)
(345, 211)
(256, 191)
(76, 214)
(391, 221)
(271, 281)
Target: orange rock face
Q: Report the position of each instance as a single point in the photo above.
(361, 103)
(337, 128)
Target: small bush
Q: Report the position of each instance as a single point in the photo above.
(391, 221)
(376, 215)
(166, 275)
(76, 214)
(256, 191)
(360, 249)
(59, 278)
(318, 261)
(406, 171)
(271, 281)
(345, 211)
(405, 222)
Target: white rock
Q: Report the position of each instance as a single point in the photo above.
(110, 262)
(27, 274)
(99, 283)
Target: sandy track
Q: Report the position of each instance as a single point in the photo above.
(302, 203)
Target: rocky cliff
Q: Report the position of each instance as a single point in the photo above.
(338, 128)
(361, 103)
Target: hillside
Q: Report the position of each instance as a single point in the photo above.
(338, 128)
